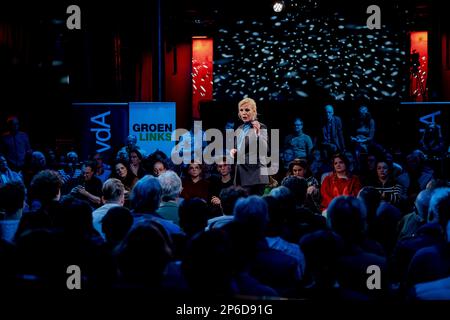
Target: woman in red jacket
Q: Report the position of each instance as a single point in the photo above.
(340, 182)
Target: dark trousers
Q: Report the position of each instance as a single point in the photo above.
(256, 189)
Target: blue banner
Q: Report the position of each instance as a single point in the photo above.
(152, 123)
(103, 128)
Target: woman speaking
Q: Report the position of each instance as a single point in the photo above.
(251, 142)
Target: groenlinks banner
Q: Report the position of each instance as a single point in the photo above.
(152, 123)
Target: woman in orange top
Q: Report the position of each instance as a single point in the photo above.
(340, 182)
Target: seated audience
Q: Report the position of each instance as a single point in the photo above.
(113, 195)
(228, 197)
(136, 163)
(122, 172)
(171, 189)
(115, 225)
(89, 187)
(12, 197)
(433, 263)
(194, 186)
(347, 217)
(390, 190)
(300, 168)
(340, 183)
(299, 142)
(6, 174)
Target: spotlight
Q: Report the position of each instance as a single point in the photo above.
(278, 6)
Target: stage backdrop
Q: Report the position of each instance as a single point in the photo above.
(152, 123)
(102, 127)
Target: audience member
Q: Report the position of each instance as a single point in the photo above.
(194, 186)
(113, 195)
(299, 142)
(332, 133)
(6, 174)
(171, 189)
(228, 198)
(12, 197)
(102, 170)
(89, 187)
(340, 182)
(136, 163)
(15, 144)
(115, 225)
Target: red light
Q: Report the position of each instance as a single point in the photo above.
(202, 72)
(419, 66)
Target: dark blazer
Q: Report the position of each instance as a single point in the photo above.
(337, 136)
(248, 168)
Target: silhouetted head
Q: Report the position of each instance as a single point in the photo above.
(229, 196)
(116, 223)
(252, 212)
(347, 217)
(439, 210)
(297, 186)
(46, 186)
(13, 124)
(143, 255)
(193, 214)
(131, 141)
(208, 263)
(422, 203)
(38, 160)
(146, 195)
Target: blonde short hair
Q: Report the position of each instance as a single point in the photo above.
(113, 189)
(251, 103)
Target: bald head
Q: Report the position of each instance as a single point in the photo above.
(329, 110)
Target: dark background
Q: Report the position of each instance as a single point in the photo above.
(112, 59)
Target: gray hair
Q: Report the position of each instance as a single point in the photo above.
(422, 203)
(170, 184)
(252, 212)
(113, 189)
(280, 192)
(439, 210)
(146, 195)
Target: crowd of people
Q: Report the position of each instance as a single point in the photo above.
(310, 231)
